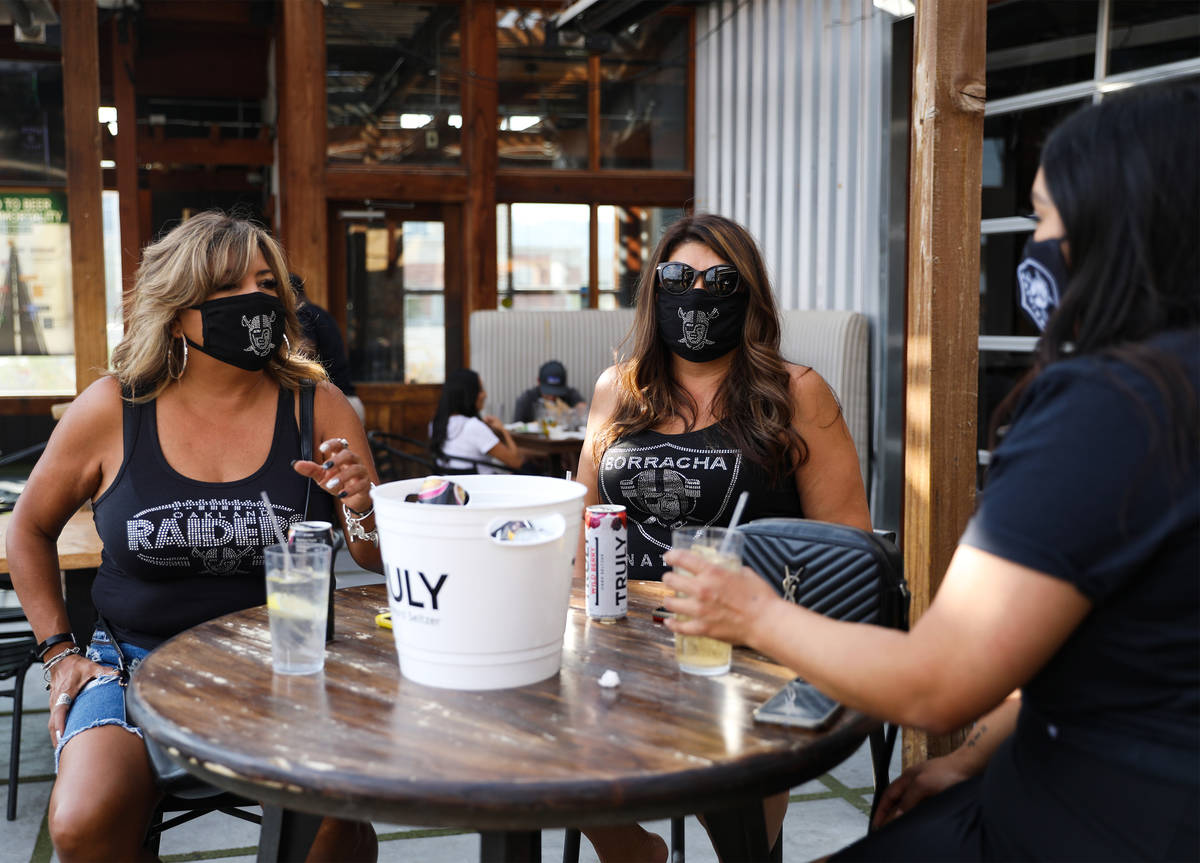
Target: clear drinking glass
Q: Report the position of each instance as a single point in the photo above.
(699, 654)
(297, 604)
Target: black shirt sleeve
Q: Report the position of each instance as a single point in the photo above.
(1078, 490)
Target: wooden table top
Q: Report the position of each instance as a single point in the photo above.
(542, 444)
(79, 545)
(361, 741)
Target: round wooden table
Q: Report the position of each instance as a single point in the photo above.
(361, 741)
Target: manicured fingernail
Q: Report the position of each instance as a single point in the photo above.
(328, 464)
(342, 494)
(333, 483)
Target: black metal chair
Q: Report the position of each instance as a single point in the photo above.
(399, 457)
(16, 655)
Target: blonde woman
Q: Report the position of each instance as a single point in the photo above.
(704, 408)
(198, 416)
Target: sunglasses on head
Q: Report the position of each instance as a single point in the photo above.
(676, 278)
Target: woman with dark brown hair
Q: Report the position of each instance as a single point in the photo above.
(704, 408)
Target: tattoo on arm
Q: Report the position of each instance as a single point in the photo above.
(978, 735)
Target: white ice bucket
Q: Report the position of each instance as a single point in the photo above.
(471, 610)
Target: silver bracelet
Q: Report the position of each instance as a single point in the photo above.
(55, 660)
(354, 519)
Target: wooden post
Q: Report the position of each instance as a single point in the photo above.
(301, 144)
(480, 100)
(81, 99)
(125, 100)
(941, 378)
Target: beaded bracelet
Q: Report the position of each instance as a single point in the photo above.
(58, 638)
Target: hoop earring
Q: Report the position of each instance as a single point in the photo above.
(287, 345)
(183, 365)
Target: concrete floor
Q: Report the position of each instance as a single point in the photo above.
(825, 814)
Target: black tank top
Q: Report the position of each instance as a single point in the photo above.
(666, 481)
(177, 551)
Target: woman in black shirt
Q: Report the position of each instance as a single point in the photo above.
(706, 407)
(1076, 580)
(173, 449)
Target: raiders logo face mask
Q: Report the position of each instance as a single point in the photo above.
(698, 326)
(242, 330)
(1042, 278)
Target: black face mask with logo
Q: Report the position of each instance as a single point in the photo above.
(242, 330)
(1041, 278)
(699, 327)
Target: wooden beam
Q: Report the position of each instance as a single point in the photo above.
(121, 37)
(396, 183)
(941, 377)
(480, 100)
(203, 151)
(619, 188)
(301, 143)
(81, 99)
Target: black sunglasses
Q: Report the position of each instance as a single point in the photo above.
(676, 278)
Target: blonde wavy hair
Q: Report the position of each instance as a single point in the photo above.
(184, 268)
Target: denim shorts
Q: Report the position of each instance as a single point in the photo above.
(102, 699)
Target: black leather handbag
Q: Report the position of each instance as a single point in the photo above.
(842, 572)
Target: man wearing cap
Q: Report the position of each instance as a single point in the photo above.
(551, 388)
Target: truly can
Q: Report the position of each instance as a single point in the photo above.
(606, 561)
(314, 533)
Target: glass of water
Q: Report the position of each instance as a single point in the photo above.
(699, 654)
(297, 605)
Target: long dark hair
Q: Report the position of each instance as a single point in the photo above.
(460, 394)
(1125, 178)
(756, 392)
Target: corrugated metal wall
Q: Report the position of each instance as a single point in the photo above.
(790, 139)
(792, 101)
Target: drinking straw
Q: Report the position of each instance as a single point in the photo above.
(568, 477)
(733, 522)
(287, 561)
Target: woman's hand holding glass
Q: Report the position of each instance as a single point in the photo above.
(720, 602)
(343, 474)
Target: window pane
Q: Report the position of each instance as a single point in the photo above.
(37, 324)
(543, 260)
(395, 305)
(1012, 150)
(543, 94)
(32, 148)
(627, 236)
(1151, 34)
(1064, 53)
(643, 96)
(392, 82)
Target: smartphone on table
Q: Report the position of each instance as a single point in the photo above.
(801, 704)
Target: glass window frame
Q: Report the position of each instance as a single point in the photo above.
(1096, 87)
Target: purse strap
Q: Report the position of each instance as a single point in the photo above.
(307, 390)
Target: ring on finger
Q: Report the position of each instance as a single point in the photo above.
(345, 443)
(63, 698)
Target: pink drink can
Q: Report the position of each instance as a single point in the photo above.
(606, 562)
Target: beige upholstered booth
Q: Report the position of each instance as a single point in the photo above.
(507, 347)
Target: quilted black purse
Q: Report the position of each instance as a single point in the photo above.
(842, 572)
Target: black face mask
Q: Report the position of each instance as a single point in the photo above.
(242, 330)
(1041, 277)
(698, 326)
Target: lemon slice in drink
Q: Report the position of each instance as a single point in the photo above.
(291, 606)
